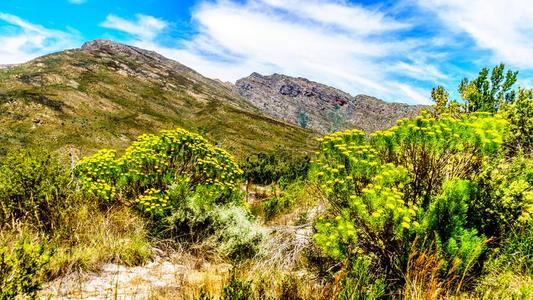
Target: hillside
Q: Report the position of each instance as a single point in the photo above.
(317, 106)
(105, 94)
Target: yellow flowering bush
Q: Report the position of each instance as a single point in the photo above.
(154, 162)
(435, 149)
(380, 187)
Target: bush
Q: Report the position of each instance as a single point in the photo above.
(266, 168)
(508, 271)
(154, 162)
(35, 188)
(184, 185)
(21, 269)
(237, 290)
(359, 282)
(505, 198)
(519, 113)
(448, 212)
(411, 180)
(294, 192)
(235, 235)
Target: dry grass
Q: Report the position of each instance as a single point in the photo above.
(422, 280)
(93, 237)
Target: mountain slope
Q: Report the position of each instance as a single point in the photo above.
(318, 106)
(105, 94)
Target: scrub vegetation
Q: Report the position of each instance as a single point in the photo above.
(439, 206)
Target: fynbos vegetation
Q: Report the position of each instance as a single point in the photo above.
(438, 206)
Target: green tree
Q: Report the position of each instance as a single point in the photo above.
(488, 94)
(520, 116)
(443, 105)
(440, 97)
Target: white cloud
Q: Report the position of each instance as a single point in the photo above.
(419, 69)
(355, 19)
(144, 28)
(343, 45)
(503, 26)
(418, 95)
(22, 40)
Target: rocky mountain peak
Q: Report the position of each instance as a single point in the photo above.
(114, 48)
(317, 106)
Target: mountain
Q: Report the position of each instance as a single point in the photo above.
(317, 106)
(105, 94)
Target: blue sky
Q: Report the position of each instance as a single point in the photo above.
(395, 50)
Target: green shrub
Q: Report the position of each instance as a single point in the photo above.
(35, 188)
(235, 236)
(154, 162)
(435, 149)
(292, 193)
(21, 269)
(266, 168)
(386, 190)
(505, 199)
(359, 282)
(447, 218)
(448, 212)
(226, 228)
(237, 290)
(508, 273)
(519, 113)
(515, 253)
(184, 185)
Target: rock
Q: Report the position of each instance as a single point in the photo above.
(327, 109)
(291, 90)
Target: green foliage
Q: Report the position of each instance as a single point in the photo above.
(34, 187)
(519, 113)
(152, 163)
(447, 218)
(291, 194)
(515, 253)
(440, 97)
(21, 269)
(237, 290)
(359, 284)
(434, 149)
(448, 212)
(488, 94)
(187, 187)
(443, 105)
(265, 168)
(393, 186)
(463, 250)
(505, 199)
(507, 274)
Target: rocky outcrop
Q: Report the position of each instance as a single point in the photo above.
(296, 100)
(317, 106)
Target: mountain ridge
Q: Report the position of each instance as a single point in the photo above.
(105, 94)
(323, 108)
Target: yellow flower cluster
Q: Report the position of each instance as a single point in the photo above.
(156, 161)
(96, 172)
(481, 130)
(153, 201)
